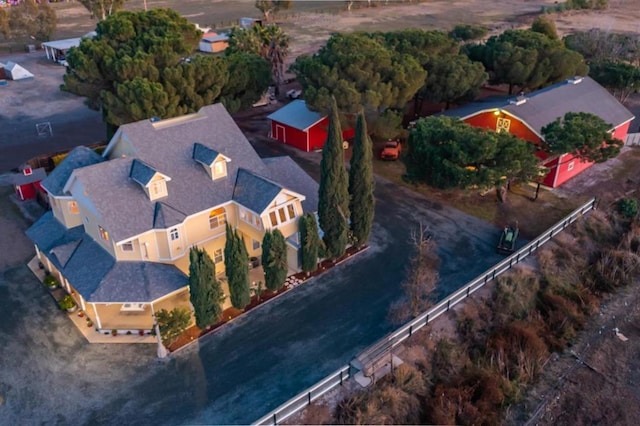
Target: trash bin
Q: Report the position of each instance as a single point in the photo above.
(30, 48)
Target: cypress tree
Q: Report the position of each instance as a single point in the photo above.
(361, 184)
(274, 259)
(236, 262)
(333, 194)
(310, 242)
(205, 292)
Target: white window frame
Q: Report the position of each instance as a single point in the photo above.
(218, 256)
(570, 166)
(283, 210)
(157, 189)
(255, 244)
(220, 222)
(127, 246)
(174, 234)
(222, 172)
(250, 217)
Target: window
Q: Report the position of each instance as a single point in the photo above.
(217, 218)
(250, 218)
(292, 211)
(128, 246)
(157, 189)
(217, 256)
(103, 233)
(570, 166)
(73, 207)
(255, 244)
(219, 169)
(282, 215)
(174, 234)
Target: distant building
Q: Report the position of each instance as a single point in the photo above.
(525, 116)
(57, 50)
(213, 42)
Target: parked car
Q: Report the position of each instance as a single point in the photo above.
(508, 238)
(391, 150)
(294, 94)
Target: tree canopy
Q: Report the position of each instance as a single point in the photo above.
(28, 19)
(447, 153)
(622, 79)
(453, 78)
(205, 292)
(100, 9)
(597, 45)
(527, 59)
(543, 25)
(333, 195)
(236, 265)
(310, 242)
(359, 71)
(274, 259)
(267, 7)
(141, 64)
(361, 184)
(584, 135)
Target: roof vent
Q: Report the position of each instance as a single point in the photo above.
(155, 119)
(519, 100)
(575, 80)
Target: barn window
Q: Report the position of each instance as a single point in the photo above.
(570, 166)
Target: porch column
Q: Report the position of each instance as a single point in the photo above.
(97, 316)
(46, 51)
(84, 308)
(37, 252)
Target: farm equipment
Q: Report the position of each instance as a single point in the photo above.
(508, 239)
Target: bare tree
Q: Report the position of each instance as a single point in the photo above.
(422, 276)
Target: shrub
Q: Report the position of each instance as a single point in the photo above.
(67, 302)
(465, 32)
(628, 207)
(172, 323)
(51, 281)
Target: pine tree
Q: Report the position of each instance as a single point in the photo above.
(274, 259)
(333, 203)
(236, 262)
(310, 242)
(361, 184)
(205, 291)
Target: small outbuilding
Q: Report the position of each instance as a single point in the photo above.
(213, 42)
(57, 50)
(14, 71)
(296, 125)
(27, 183)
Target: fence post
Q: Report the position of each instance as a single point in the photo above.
(427, 320)
(448, 304)
(274, 419)
(340, 377)
(410, 330)
(468, 291)
(309, 397)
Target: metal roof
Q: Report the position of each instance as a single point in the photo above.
(544, 106)
(65, 44)
(296, 114)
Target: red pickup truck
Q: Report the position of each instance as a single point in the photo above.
(391, 150)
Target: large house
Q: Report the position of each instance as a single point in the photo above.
(526, 115)
(121, 224)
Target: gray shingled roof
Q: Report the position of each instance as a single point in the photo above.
(254, 192)
(284, 169)
(546, 105)
(166, 216)
(94, 273)
(141, 172)
(124, 206)
(203, 154)
(296, 114)
(22, 179)
(80, 156)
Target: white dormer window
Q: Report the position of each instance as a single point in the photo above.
(157, 189)
(219, 169)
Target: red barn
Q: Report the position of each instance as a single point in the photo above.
(525, 116)
(27, 183)
(296, 125)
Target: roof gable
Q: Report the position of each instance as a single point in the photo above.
(80, 156)
(205, 155)
(296, 114)
(166, 216)
(254, 192)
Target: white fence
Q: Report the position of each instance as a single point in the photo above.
(387, 343)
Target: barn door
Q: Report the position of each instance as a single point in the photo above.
(280, 133)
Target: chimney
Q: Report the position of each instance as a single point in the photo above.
(575, 80)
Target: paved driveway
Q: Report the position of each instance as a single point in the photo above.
(49, 374)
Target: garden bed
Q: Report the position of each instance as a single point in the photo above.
(194, 332)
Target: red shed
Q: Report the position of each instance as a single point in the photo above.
(525, 116)
(27, 183)
(296, 125)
